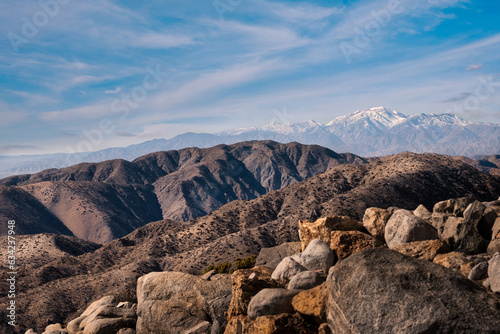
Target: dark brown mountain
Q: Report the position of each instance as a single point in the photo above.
(56, 291)
(489, 164)
(104, 201)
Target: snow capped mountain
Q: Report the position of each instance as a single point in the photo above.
(372, 132)
(380, 117)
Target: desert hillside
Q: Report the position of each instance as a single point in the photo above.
(241, 228)
(103, 201)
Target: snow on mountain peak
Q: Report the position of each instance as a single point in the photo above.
(379, 117)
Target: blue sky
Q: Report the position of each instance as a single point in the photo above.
(115, 73)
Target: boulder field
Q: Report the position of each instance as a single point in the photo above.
(396, 271)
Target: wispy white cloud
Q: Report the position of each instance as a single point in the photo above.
(474, 67)
(113, 91)
(160, 41)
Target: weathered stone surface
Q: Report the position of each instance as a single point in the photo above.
(104, 301)
(345, 243)
(306, 280)
(271, 302)
(74, 325)
(53, 327)
(451, 229)
(479, 271)
(438, 221)
(317, 256)
(404, 226)
(173, 302)
(496, 229)
(374, 220)
(492, 203)
(321, 228)
(287, 268)
(126, 305)
(208, 275)
(469, 240)
(330, 274)
(246, 283)
(313, 302)
(126, 331)
(493, 246)
(444, 206)
(425, 250)
(487, 222)
(383, 291)
(422, 213)
(273, 324)
(30, 331)
(486, 284)
(454, 206)
(271, 257)
(108, 326)
(454, 260)
(494, 273)
(56, 331)
(106, 311)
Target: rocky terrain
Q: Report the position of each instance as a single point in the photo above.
(393, 271)
(60, 290)
(103, 201)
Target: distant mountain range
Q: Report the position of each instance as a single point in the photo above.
(372, 132)
(103, 201)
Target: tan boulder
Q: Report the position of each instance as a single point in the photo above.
(496, 229)
(322, 228)
(346, 243)
(313, 302)
(270, 324)
(422, 212)
(493, 247)
(246, 283)
(456, 261)
(374, 220)
(174, 302)
(425, 250)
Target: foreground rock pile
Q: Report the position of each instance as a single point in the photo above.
(397, 271)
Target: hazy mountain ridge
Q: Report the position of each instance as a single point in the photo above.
(372, 132)
(103, 201)
(57, 290)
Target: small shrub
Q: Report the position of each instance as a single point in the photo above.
(223, 268)
(247, 263)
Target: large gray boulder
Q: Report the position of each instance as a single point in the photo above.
(382, 291)
(173, 302)
(306, 280)
(494, 273)
(404, 226)
(469, 239)
(271, 257)
(271, 302)
(317, 256)
(286, 269)
(479, 271)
